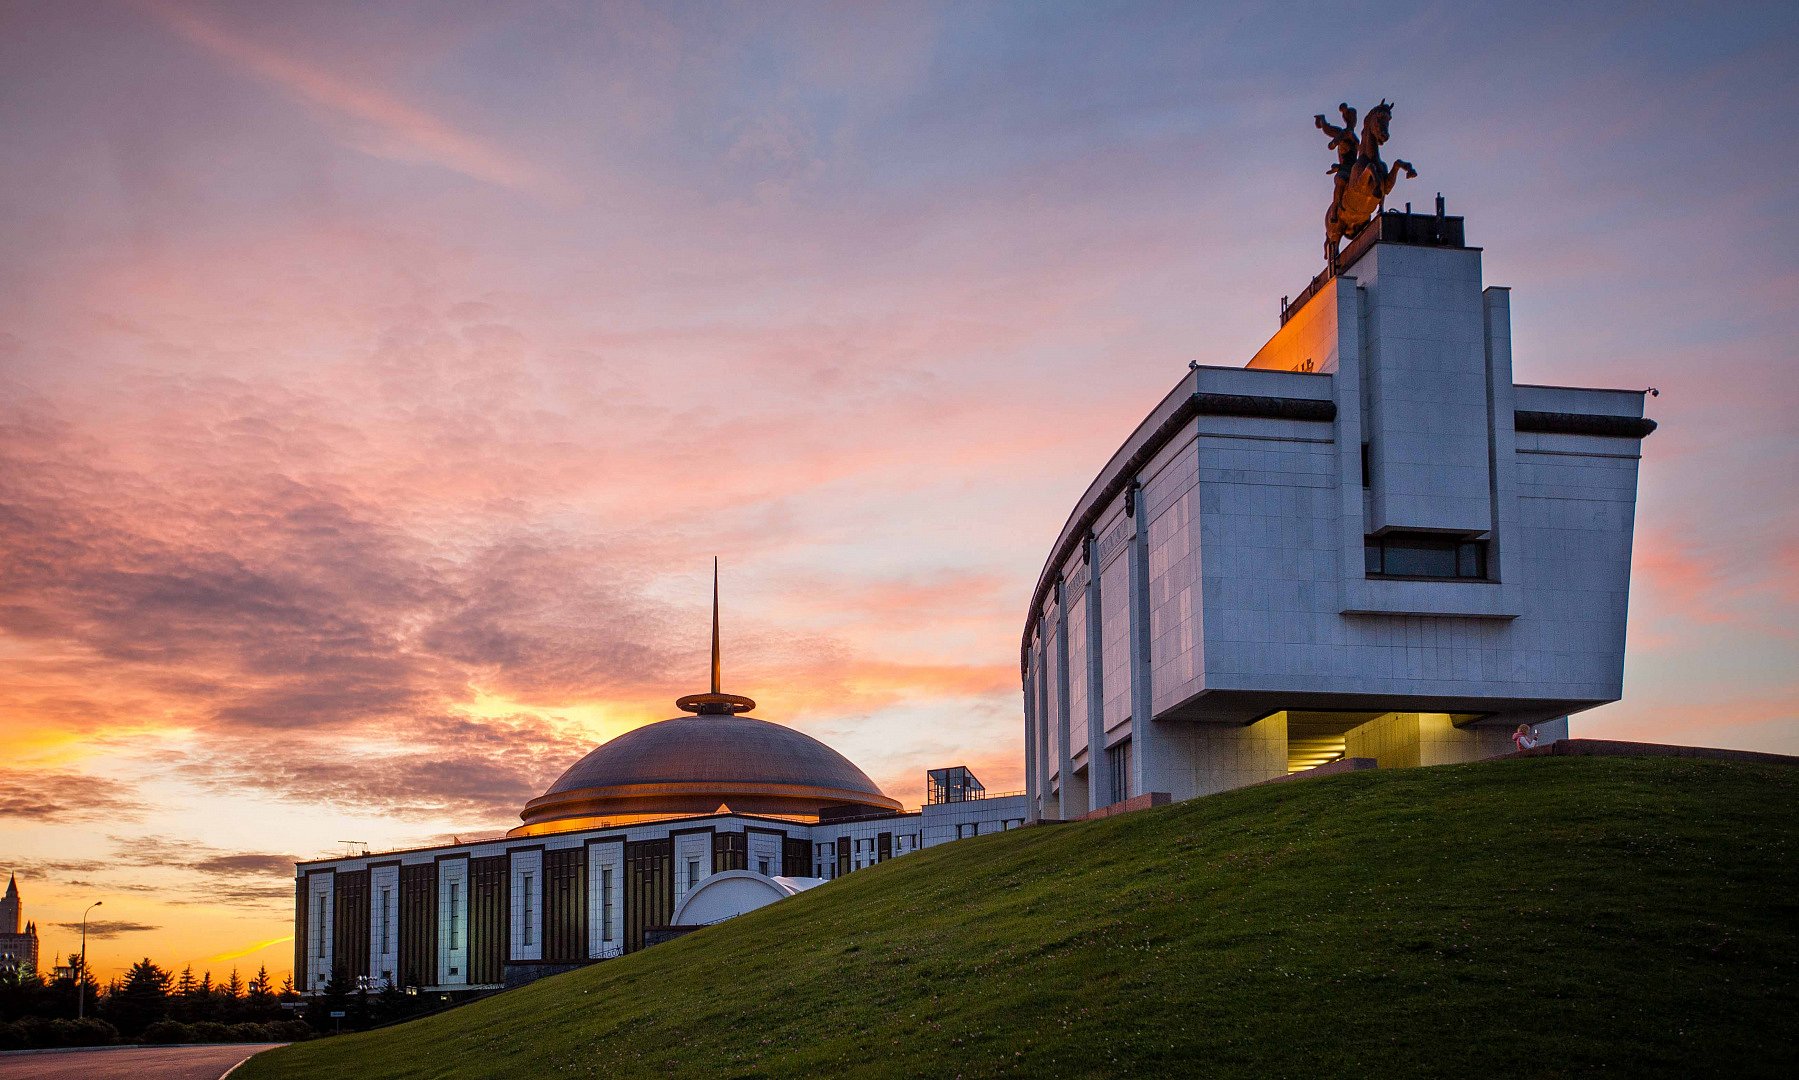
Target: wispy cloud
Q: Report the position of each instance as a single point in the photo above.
(380, 123)
(36, 795)
(106, 929)
(238, 954)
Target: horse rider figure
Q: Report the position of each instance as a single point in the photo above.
(1363, 180)
(1344, 142)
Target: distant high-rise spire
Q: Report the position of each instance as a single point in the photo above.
(11, 910)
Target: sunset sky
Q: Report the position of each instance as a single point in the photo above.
(378, 381)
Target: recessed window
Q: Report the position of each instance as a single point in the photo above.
(1425, 555)
(693, 872)
(762, 867)
(606, 904)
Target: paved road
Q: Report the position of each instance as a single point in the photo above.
(145, 1063)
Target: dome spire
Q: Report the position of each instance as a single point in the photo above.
(715, 703)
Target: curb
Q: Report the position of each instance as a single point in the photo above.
(227, 1073)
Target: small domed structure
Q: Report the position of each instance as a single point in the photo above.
(695, 765)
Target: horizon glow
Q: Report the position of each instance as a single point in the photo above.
(376, 382)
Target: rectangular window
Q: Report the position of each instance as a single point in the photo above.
(762, 867)
(528, 909)
(693, 872)
(1118, 760)
(321, 933)
(1425, 555)
(455, 915)
(606, 904)
(386, 921)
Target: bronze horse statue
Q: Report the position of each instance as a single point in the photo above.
(1363, 180)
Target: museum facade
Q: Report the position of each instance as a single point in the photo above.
(1367, 543)
(667, 827)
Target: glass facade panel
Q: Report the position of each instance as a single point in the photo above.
(1052, 695)
(1115, 640)
(1076, 599)
(606, 905)
(1425, 555)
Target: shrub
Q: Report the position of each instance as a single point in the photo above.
(164, 1032)
(211, 1031)
(14, 1037)
(288, 1030)
(47, 1034)
(249, 1032)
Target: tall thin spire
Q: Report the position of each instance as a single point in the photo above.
(717, 702)
(715, 624)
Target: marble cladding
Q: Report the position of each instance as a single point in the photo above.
(605, 900)
(525, 897)
(453, 920)
(384, 928)
(1257, 597)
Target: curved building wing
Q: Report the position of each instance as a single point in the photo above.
(1368, 543)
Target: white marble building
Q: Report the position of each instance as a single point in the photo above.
(1368, 542)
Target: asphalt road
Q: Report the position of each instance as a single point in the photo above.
(144, 1063)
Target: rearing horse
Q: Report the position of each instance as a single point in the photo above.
(1370, 181)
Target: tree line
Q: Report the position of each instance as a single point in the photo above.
(149, 1004)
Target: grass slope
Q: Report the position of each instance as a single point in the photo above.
(1541, 917)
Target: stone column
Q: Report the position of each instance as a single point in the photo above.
(1150, 746)
(1033, 785)
(1099, 766)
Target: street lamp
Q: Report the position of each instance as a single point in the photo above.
(81, 984)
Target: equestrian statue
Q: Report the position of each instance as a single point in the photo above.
(1363, 180)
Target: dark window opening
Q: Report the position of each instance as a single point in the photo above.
(1425, 555)
(1118, 761)
(1367, 473)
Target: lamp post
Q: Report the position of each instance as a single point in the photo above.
(81, 976)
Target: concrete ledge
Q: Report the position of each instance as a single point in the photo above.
(1341, 765)
(1615, 748)
(1136, 802)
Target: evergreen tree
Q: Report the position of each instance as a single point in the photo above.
(287, 991)
(187, 990)
(22, 993)
(230, 1007)
(142, 1000)
(206, 1002)
(259, 997)
(66, 990)
(334, 998)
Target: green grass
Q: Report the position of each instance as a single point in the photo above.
(1540, 917)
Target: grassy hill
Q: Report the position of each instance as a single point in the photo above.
(1541, 917)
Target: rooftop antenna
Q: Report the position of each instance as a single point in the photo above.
(350, 847)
